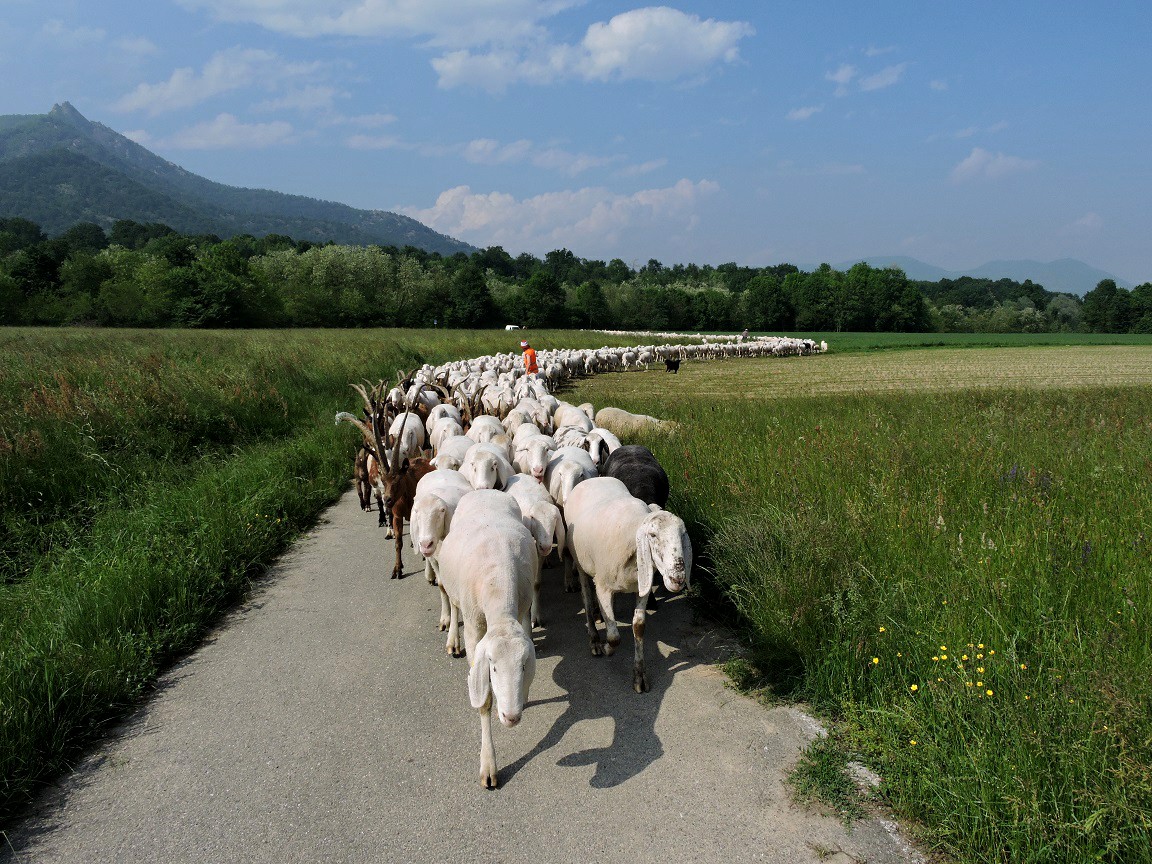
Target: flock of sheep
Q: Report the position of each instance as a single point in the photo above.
(493, 473)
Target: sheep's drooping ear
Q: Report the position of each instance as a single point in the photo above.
(480, 677)
(643, 560)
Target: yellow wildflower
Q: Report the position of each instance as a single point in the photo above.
(916, 687)
(875, 660)
(989, 692)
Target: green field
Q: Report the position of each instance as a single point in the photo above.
(949, 552)
(874, 520)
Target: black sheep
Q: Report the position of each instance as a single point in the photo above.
(636, 467)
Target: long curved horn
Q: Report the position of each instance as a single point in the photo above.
(394, 468)
(359, 388)
(367, 432)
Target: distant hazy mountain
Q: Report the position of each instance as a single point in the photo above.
(59, 168)
(1067, 274)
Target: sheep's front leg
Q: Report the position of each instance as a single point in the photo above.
(445, 611)
(487, 751)
(639, 617)
(454, 645)
(536, 620)
(611, 631)
(570, 586)
(590, 613)
(429, 571)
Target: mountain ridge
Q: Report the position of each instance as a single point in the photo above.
(195, 204)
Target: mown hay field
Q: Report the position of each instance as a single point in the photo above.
(950, 552)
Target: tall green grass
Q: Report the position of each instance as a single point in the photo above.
(963, 578)
(145, 478)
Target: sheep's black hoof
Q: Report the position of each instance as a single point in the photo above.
(640, 682)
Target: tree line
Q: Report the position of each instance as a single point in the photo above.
(148, 275)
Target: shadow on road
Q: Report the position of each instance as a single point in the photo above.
(601, 687)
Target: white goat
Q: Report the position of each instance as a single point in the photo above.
(616, 544)
(544, 521)
(487, 564)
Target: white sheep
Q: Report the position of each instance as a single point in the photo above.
(437, 494)
(533, 454)
(443, 428)
(568, 467)
(544, 521)
(485, 427)
(600, 443)
(616, 543)
(451, 452)
(486, 466)
(487, 565)
(622, 422)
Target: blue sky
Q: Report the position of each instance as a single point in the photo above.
(701, 131)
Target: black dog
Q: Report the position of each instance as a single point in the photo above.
(672, 366)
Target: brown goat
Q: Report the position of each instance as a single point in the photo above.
(399, 495)
(363, 467)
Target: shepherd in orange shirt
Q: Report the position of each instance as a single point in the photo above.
(529, 357)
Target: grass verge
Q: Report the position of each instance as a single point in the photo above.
(959, 577)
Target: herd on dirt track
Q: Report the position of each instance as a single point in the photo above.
(494, 474)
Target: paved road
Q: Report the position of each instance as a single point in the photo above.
(323, 722)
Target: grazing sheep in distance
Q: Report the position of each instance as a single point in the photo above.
(488, 563)
(636, 467)
(616, 543)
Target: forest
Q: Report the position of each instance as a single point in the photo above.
(149, 275)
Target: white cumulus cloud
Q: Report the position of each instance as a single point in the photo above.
(982, 164)
(231, 69)
(886, 77)
(655, 43)
(226, 132)
(592, 215)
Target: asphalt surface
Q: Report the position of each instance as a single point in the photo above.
(324, 722)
